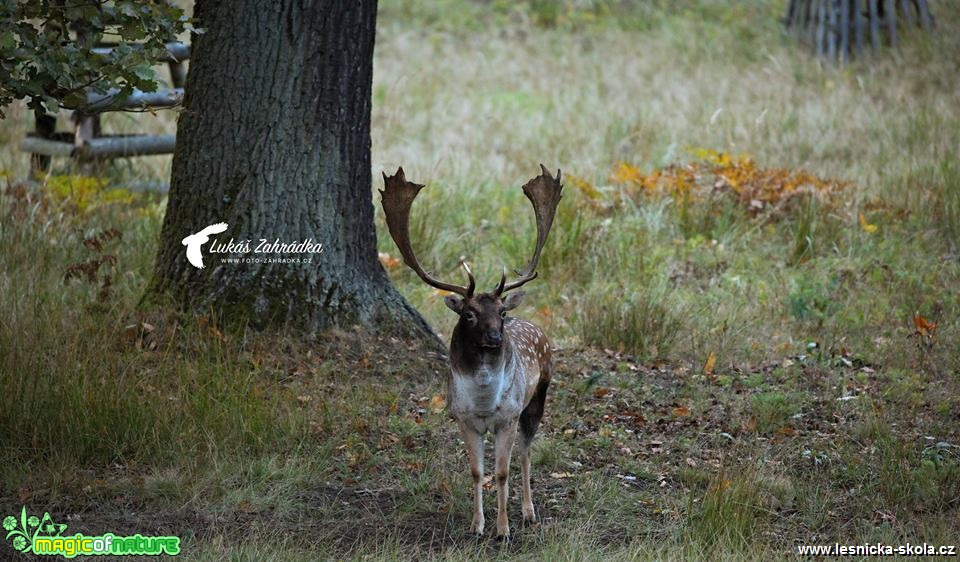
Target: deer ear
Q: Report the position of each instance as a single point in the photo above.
(454, 303)
(513, 301)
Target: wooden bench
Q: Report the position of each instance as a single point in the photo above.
(86, 143)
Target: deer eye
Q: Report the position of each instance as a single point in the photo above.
(470, 317)
(503, 314)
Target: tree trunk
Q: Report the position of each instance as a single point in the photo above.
(274, 140)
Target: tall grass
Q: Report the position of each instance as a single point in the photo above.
(79, 383)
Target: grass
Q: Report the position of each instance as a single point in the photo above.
(823, 418)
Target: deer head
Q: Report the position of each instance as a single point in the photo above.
(482, 314)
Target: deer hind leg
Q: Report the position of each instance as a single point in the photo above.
(502, 449)
(474, 443)
(529, 422)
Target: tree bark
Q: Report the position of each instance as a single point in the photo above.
(274, 139)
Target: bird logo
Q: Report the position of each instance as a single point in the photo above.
(195, 241)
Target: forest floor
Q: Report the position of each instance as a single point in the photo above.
(633, 460)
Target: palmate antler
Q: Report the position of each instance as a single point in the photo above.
(397, 197)
(543, 192)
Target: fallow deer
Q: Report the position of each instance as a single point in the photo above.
(500, 366)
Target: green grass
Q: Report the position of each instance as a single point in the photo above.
(824, 418)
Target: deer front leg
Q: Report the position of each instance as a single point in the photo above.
(474, 443)
(526, 505)
(502, 448)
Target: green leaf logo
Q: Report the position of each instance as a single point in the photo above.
(27, 528)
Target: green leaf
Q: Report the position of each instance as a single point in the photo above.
(8, 40)
(40, 65)
(144, 72)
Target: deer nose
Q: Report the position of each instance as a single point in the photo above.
(494, 337)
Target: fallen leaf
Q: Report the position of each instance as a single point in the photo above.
(924, 327)
(787, 431)
(388, 261)
(438, 403)
(866, 226)
(708, 366)
(681, 411)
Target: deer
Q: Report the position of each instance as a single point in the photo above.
(500, 366)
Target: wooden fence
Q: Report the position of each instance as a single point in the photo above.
(86, 143)
(839, 29)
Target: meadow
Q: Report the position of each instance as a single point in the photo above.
(753, 284)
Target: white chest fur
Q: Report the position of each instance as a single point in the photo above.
(487, 398)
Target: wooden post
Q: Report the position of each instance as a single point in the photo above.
(926, 19)
(890, 12)
(832, 31)
(857, 16)
(178, 74)
(813, 7)
(792, 7)
(844, 30)
(821, 26)
(874, 24)
(907, 13)
(45, 126)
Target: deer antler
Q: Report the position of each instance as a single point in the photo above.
(397, 197)
(543, 192)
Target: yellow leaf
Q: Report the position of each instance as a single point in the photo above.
(708, 366)
(625, 173)
(438, 403)
(866, 226)
(681, 411)
(584, 186)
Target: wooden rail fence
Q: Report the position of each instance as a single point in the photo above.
(86, 143)
(838, 29)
